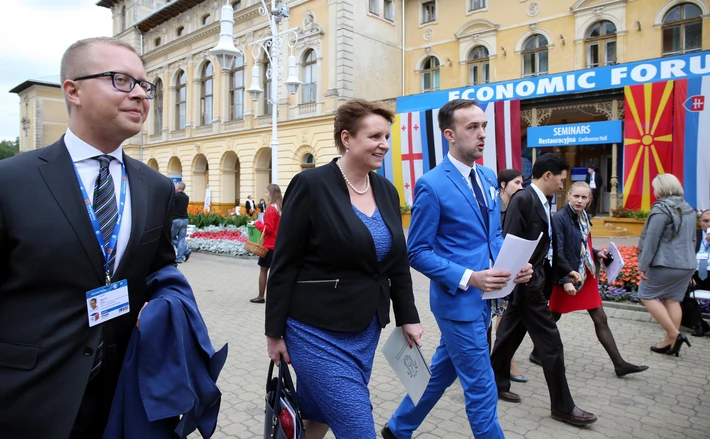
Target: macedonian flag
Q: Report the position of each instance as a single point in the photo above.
(648, 140)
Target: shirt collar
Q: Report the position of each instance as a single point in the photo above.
(463, 168)
(540, 194)
(80, 150)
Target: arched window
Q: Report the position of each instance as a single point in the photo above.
(158, 107)
(308, 161)
(430, 74)
(478, 69)
(309, 77)
(267, 87)
(181, 100)
(601, 44)
(156, 42)
(206, 82)
(236, 90)
(180, 31)
(682, 29)
(535, 56)
(237, 5)
(206, 19)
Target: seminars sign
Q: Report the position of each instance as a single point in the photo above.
(590, 133)
(600, 78)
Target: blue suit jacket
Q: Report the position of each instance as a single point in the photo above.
(447, 235)
(170, 368)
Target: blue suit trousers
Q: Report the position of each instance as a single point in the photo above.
(463, 353)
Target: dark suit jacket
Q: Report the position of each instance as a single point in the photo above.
(525, 218)
(49, 259)
(597, 180)
(325, 271)
(699, 283)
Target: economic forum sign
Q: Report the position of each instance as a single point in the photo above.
(600, 78)
(590, 133)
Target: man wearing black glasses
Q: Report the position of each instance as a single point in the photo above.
(77, 219)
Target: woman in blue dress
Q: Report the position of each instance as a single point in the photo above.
(340, 260)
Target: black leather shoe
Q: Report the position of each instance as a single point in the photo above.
(509, 397)
(533, 359)
(578, 417)
(675, 350)
(628, 369)
(387, 433)
(662, 350)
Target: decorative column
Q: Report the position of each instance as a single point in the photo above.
(614, 195)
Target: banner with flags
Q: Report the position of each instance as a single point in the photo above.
(691, 159)
(648, 140)
(418, 145)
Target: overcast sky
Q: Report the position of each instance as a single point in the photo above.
(33, 37)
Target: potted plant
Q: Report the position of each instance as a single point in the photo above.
(629, 219)
(406, 210)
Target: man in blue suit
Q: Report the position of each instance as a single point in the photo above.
(454, 237)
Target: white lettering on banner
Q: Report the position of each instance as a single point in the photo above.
(525, 88)
(485, 94)
(672, 69)
(583, 83)
(696, 68)
(550, 85)
(600, 78)
(467, 93)
(504, 91)
(650, 70)
(618, 74)
(573, 129)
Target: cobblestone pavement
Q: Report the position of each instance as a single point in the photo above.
(670, 400)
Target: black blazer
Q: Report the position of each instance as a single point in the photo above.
(49, 259)
(325, 271)
(525, 217)
(568, 244)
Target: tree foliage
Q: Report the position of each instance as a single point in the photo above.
(9, 148)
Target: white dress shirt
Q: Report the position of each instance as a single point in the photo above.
(82, 155)
(465, 171)
(592, 181)
(546, 205)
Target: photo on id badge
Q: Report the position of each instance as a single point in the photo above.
(94, 309)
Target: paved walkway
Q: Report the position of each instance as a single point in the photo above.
(671, 400)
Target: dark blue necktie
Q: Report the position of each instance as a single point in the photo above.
(479, 198)
(703, 269)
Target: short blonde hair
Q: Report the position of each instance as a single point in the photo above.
(580, 184)
(73, 60)
(665, 185)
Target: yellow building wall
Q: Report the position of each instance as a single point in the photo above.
(43, 116)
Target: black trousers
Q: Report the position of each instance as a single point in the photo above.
(532, 315)
(93, 412)
(593, 203)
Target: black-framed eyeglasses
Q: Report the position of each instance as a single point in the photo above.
(124, 82)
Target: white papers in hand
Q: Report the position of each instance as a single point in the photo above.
(408, 364)
(612, 271)
(513, 256)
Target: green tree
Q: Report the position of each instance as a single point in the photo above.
(9, 148)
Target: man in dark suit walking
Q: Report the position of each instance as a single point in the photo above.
(528, 217)
(594, 180)
(83, 221)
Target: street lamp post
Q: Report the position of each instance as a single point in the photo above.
(272, 46)
(226, 55)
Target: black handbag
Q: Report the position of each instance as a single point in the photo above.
(280, 390)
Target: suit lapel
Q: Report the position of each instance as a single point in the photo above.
(539, 208)
(58, 173)
(139, 211)
(459, 181)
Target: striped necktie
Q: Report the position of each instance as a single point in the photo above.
(106, 211)
(105, 205)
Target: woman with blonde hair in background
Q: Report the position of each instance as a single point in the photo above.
(270, 226)
(667, 260)
(577, 266)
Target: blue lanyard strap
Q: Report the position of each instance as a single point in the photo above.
(106, 250)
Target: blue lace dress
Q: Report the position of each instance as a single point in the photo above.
(333, 368)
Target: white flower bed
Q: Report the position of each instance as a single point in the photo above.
(219, 246)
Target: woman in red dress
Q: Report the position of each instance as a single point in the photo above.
(269, 228)
(577, 267)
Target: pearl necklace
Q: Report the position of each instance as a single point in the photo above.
(367, 180)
